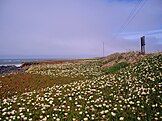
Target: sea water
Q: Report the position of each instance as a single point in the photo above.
(15, 62)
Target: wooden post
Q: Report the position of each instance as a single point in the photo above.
(143, 45)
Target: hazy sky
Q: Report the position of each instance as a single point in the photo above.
(76, 28)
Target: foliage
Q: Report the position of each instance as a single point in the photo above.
(116, 67)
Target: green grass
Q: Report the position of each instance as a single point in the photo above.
(116, 67)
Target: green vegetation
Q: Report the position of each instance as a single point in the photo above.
(132, 94)
(116, 67)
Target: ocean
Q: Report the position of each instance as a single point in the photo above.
(19, 62)
(16, 62)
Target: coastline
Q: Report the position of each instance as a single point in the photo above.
(17, 65)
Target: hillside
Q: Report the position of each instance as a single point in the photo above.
(126, 86)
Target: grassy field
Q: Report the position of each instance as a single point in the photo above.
(85, 91)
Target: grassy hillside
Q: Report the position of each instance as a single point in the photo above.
(132, 92)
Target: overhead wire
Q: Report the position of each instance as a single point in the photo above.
(131, 16)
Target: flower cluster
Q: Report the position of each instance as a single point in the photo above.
(134, 93)
(84, 68)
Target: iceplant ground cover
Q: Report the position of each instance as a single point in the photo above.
(134, 93)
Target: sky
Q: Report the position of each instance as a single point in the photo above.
(76, 28)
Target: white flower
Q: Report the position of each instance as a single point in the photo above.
(70, 98)
(106, 111)
(80, 112)
(85, 119)
(138, 118)
(113, 114)
(65, 114)
(74, 119)
(4, 113)
(57, 119)
(30, 119)
(50, 102)
(25, 118)
(102, 112)
(121, 118)
(131, 102)
(44, 119)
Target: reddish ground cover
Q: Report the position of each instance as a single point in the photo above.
(23, 82)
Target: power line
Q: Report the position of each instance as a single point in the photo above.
(132, 15)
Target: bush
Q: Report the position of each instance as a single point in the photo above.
(116, 67)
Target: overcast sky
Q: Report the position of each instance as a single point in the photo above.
(76, 28)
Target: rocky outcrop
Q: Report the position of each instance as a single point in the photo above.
(9, 69)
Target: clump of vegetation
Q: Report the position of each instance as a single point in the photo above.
(116, 67)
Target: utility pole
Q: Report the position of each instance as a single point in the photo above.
(103, 51)
(143, 45)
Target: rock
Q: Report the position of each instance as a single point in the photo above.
(8, 69)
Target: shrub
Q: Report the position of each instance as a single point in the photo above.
(116, 67)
